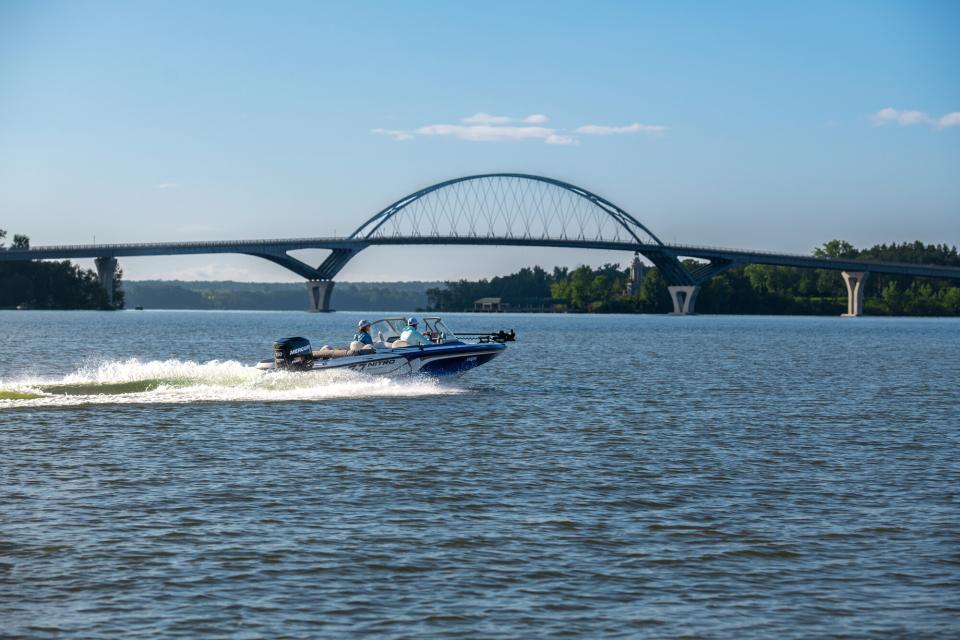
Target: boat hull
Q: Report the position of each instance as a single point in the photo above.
(439, 361)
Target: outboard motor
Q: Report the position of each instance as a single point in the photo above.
(293, 354)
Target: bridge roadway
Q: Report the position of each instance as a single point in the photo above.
(684, 286)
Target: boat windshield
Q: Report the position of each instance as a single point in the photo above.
(438, 330)
(388, 330)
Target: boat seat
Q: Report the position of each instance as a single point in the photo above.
(399, 343)
(326, 353)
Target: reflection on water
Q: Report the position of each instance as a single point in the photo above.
(606, 477)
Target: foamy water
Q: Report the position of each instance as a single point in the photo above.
(177, 381)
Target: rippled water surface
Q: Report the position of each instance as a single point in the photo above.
(618, 476)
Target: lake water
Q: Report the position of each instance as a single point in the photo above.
(608, 476)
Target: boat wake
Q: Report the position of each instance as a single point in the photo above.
(184, 382)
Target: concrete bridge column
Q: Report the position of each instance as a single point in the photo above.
(106, 267)
(854, 281)
(320, 291)
(684, 298)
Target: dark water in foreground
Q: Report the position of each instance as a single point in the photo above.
(607, 477)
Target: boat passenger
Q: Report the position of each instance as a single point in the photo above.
(363, 333)
(410, 335)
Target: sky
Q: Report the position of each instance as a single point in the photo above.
(754, 125)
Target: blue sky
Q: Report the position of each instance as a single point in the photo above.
(754, 125)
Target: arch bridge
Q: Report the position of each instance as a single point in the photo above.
(502, 209)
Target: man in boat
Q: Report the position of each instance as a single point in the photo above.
(363, 333)
(410, 335)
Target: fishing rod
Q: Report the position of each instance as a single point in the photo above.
(492, 336)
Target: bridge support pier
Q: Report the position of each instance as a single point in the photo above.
(684, 298)
(854, 281)
(319, 291)
(106, 268)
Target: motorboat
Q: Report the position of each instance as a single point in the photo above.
(446, 354)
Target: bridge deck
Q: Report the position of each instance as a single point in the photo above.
(280, 246)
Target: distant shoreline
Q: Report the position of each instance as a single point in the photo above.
(270, 296)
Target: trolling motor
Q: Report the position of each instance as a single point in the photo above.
(293, 354)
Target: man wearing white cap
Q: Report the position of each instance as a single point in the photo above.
(410, 335)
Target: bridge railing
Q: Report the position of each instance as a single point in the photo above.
(678, 248)
(185, 245)
(716, 249)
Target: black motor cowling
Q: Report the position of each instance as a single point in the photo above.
(294, 354)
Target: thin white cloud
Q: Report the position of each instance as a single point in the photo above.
(905, 118)
(949, 120)
(560, 139)
(909, 118)
(884, 116)
(913, 117)
(485, 118)
(484, 127)
(396, 134)
(167, 185)
(488, 133)
(636, 127)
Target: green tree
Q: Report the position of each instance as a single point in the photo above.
(53, 285)
(119, 297)
(836, 249)
(951, 301)
(893, 299)
(653, 295)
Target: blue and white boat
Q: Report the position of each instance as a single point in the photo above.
(446, 355)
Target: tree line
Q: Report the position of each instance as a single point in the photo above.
(752, 289)
(52, 285)
(275, 296)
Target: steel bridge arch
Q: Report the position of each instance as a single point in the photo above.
(366, 230)
(651, 247)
